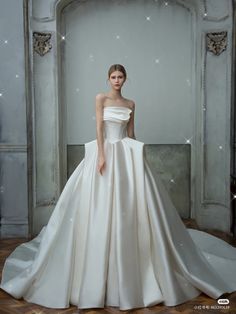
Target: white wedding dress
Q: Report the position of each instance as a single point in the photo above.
(116, 239)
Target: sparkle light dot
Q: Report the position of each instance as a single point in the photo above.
(220, 147)
(205, 14)
(187, 141)
(157, 60)
(6, 41)
(117, 36)
(17, 75)
(0, 94)
(91, 57)
(234, 196)
(172, 180)
(77, 89)
(188, 82)
(166, 3)
(63, 37)
(148, 18)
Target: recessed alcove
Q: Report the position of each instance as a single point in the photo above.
(180, 85)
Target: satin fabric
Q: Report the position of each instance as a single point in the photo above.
(117, 239)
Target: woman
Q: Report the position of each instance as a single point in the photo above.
(117, 79)
(114, 237)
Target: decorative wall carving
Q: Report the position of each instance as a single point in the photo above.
(42, 43)
(216, 42)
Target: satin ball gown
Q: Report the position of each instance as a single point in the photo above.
(117, 239)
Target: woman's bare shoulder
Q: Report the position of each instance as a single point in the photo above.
(100, 99)
(100, 96)
(130, 103)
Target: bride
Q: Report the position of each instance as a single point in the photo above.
(114, 237)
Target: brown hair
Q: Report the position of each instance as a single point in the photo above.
(117, 67)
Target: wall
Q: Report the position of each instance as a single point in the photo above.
(13, 120)
(159, 63)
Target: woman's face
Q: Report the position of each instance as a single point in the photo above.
(117, 79)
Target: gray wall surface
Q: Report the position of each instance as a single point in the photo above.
(13, 134)
(160, 64)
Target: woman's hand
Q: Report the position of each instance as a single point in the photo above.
(101, 164)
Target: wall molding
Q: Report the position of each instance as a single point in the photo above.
(211, 18)
(13, 148)
(204, 199)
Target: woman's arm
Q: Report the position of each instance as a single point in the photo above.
(99, 132)
(130, 125)
(99, 124)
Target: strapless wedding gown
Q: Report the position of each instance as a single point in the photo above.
(117, 239)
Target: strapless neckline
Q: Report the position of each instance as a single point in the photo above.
(117, 107)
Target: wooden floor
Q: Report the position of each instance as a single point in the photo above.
(201, 304)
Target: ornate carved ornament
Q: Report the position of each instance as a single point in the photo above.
(216, 42)
(42, 43)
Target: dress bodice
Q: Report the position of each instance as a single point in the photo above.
(115, 122)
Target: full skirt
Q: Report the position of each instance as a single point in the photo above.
(117, 240)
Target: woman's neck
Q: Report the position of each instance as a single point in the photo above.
(115, 95)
